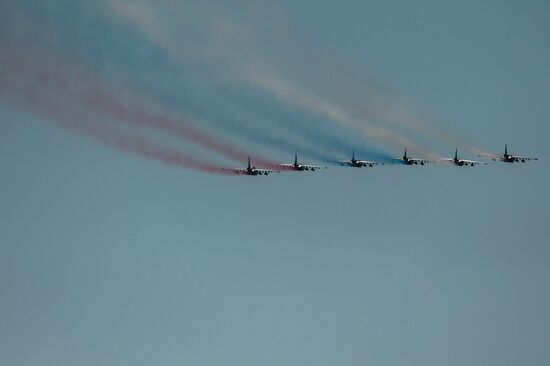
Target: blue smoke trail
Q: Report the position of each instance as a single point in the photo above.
(120, 53)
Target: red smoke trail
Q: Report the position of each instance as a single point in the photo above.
(26, 96)
(93, 94)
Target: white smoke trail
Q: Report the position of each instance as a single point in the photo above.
(294, 95)
(226, 44)
(398, 112)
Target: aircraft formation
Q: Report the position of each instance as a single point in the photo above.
(405, 160)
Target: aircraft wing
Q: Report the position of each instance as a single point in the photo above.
(301, 166)
(472, 162)
(254, 172)
(522, 158)
(463, 162)
(420, 161)
(343, 162)
(412, 161)
(266, 171)
(313, 167)
(236, 171)
(368, 163)
(358, 163)
(515, 158)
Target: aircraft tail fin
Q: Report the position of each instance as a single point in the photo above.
(505, 149)
(405, 154)
(295, 159)
(456, 154)
(249, 162)
(353, 155)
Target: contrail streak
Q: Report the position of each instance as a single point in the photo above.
(90, 92)
(243, 71)
(398, 113)
(294, 95)
(29, 94)
(39, 104)
(213, 79)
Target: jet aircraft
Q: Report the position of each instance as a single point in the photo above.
(507, 158)
(252, 170)
(301, 167)
(461, 162)
(354, 163)
(407, 160)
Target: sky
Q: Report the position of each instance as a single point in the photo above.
(123, 243)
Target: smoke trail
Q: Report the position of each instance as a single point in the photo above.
(241, 71)
(225, 49)
(314, 128)
(400, 114)
(204, 92)
(239, 93)
(287, 134)
(90, 92)
(223, 109)
(33, 93)
(30, 99)
(291, 123)
(294, 95)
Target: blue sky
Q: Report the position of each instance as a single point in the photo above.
(109, 258)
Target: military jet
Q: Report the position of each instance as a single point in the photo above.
(461, 162)
(354, 163)
(252, 170)
(507, 158)
(301, 167)
(407, 160)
